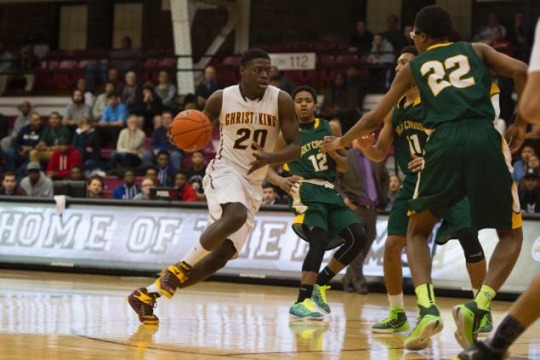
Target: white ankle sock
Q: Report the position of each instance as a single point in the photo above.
(152, 288)
(195, 254)
(396, 301)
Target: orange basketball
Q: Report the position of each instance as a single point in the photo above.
(190, 130)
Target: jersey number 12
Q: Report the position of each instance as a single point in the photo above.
(319, 162)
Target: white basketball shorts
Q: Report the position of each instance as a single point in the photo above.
(223, 184)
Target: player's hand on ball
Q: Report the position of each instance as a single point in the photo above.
(416, 164)
(262, 158)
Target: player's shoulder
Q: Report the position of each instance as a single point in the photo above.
(281, 95)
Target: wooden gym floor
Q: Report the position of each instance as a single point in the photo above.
(70, 316)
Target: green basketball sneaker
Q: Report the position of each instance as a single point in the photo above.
(319, 298)
(395, 322)
(467, 317)
(429, 324)
(306, 310)
(486, 324)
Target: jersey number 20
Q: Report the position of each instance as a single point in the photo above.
(457, 65)
(245, 138)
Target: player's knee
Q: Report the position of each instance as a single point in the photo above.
(355, 239)
(468, 239)
(394, 247)
(235, 215)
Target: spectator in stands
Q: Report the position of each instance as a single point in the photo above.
(22, 119)
(166, 91)
(87, 95)
(340, 103)
(165, 169)
(87, 142)
(131, 94)
(270, 195)
(196, 173)
(9, 185)
(362, 38)
(113, 76)
(26, 141)
(76, 173)
(499, 43)
(208, 85)
(184, 190)
(484, 34)
(76, 110)
(529, 191)
(102, 100)
(36, 183)
(521, 36)
(520, 166)
(147, 184)
(382, 54)
(358, 84)
(95, 187)
(151, 106)
(382, 51)
(160, 142)
(6, 66)
(126, 57)
(50, 139)
(533, 163)
(152, 173)
(277, 79)
(62, 160)
(115, 113)
(130, 145)
(128, 190)
(112, 121)
(393, 34)
(395, 183)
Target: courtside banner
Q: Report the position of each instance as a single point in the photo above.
(133, 236)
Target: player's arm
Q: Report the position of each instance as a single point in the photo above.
(212, 108)
(378, 151)
(291, 136)
(529, 106)
(505, 65)
(273, 177)
(339, 155)
(371, 120)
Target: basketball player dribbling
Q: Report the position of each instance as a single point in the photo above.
(251, 115)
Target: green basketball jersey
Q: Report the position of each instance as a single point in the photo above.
(454, 84)
(409, 134)
(313, 164)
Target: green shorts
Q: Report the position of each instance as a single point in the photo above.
(456, 218)
(469, 158)
(323, 207)
(398, 220)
